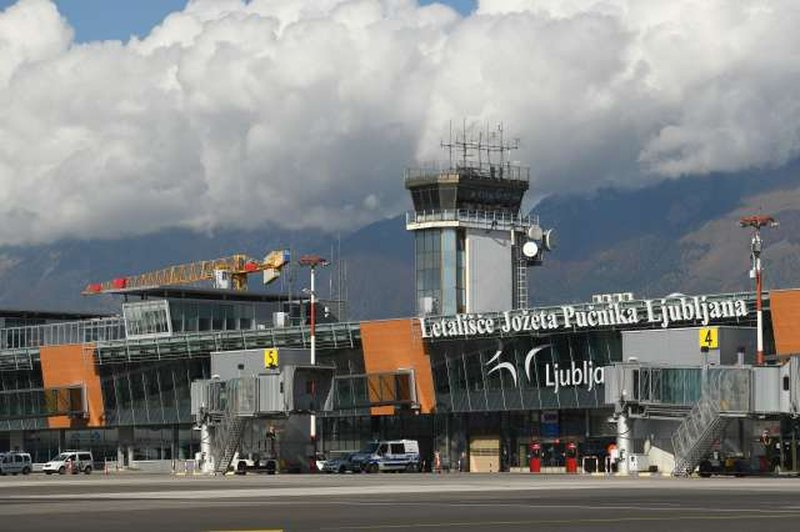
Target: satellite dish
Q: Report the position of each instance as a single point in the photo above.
(535, 232)
(530, 249)
(549, 239)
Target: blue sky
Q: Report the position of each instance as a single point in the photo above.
(119, 19)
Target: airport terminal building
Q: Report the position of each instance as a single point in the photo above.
(480, 392)
(477, 375)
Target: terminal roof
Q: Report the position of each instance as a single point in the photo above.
(49, 314)
(214, 294)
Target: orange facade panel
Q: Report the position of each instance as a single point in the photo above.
(397, 344)
(71, 365)
(785, 311)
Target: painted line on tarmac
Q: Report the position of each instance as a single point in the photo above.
(238, 493)
(540, 522)
(594, 508)
(224, 492)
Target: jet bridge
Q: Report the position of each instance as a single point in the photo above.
(701, 399)
(223, 409)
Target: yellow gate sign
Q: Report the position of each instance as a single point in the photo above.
(709, 337)
(271, 358)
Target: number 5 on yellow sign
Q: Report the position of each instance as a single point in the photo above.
(271, 358)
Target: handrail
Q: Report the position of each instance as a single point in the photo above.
(493, 218)
(60, 333)
(489, 171)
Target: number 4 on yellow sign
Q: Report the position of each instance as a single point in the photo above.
(271, 358)
(709, 337)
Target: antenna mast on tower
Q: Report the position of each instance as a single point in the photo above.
(477, 151)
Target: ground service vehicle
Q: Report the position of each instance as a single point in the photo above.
(253, 463)
(395, 455)
(70, 462)
(14, 463)
(717, 464)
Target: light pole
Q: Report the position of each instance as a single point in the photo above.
(312, 262)
(756, 244)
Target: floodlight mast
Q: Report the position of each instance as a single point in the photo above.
(756, 245)
(312, 262)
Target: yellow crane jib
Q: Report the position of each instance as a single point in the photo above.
(227, 272)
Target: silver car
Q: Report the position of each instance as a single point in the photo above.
(341, 464)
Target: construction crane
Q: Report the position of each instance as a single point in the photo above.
(226, 272)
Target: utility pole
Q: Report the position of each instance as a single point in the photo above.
(756, 245)
(312, 262)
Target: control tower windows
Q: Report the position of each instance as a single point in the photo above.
(428, 253)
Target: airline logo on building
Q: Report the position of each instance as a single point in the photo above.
(664, 312)
(577, 374)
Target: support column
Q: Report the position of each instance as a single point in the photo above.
(176, 444)
(624, 444)
(206, 463)
(124, 447)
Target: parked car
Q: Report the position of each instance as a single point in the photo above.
(395, 455)
(70, 462)
(14, 463)
(340, 464)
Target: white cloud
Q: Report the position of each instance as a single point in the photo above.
(303, 113)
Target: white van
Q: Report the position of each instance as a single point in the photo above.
(70, 462)
(395, 455)
(14, 463)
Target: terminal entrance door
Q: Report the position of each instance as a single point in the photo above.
(484, 454)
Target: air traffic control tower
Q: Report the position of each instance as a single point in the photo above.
(472, 247)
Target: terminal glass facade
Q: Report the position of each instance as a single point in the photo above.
(19, 403)
(197, 315)
(150, 393)
(520, 373)
(505, 408)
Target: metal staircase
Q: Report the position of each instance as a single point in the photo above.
(227, 437)
(233, 404)
(699, 430)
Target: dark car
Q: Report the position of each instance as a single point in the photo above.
(340, 464)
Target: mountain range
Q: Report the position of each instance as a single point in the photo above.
(679, 235)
